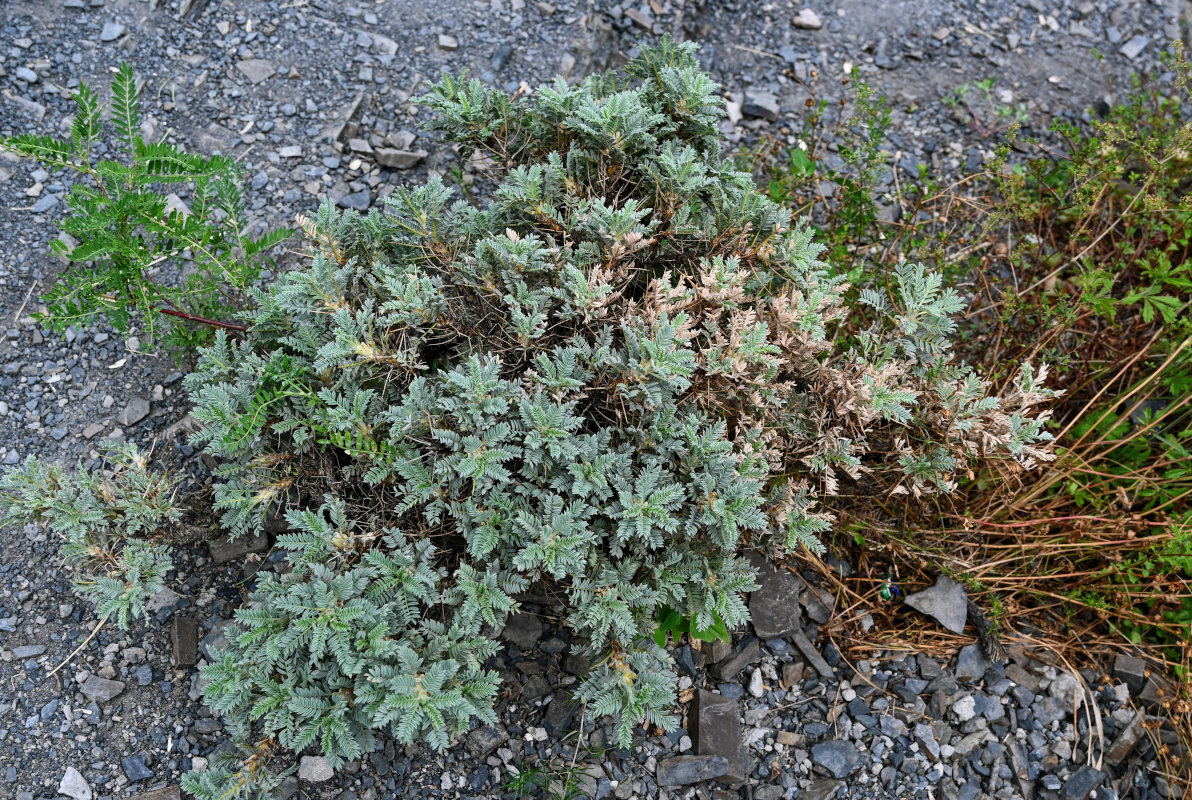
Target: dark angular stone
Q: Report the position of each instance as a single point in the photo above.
(685, 659)
(184, 641)
(135, 769)
(733, 691)
(482, 741)
(358, 201)
(523, 630)
(535, 687)
(1023, 677)
(224, 550)
(685, 770)
(715, 723)
(1048, 710)
(748, 650)
(817, 603)
(1154, 693)
(1126, 741)
(970, 790)
(946, 602)
(774, 605)
(576, 664)
(812, 655)
(478, 778)
(1082, 782)
(763, 105)
(1130, 671)
(559, 713)
(971, 663)
(929, 668)
(839, 758)
(501, 57)
(925, 736)
(101, 690)
(166, 793)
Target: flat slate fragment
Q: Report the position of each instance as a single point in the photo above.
(256, 69)
(685, 770)
(946, 602)
(398, 159)
(184, 641)
(812, 655)
(747, 651)
(74, 785)
(165, 793)
(136, 410)
(1082, 782)
(100, 689)
(716, 731)
(839, 758)
(224, 550)
(774, 605)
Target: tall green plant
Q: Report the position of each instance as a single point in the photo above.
(129, 232)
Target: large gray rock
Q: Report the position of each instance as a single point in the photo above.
(970, 663)
(224, 550)
(523, 630)
(925, 736)
(315, 769)
(111, 31)
(746, 652)
(166, 793)
(774, 605)
(1082, 782)
(763, 105)
(164, 599)
(1133, 48)
(560, 713)
(1126, 741)
(839, 758)
(812, 655)
(685, 770)
(398, 159)
(946, 602)
(135, 768)
(101, 690)
(482, 741)
(73, 785)
(715, 723)
(256, 69)
(184, 641)
(136, 410)
(359, 201)
(1130, 671)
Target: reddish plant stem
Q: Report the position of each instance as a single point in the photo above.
(204, 320)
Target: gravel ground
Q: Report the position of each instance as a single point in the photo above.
(311, 96)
